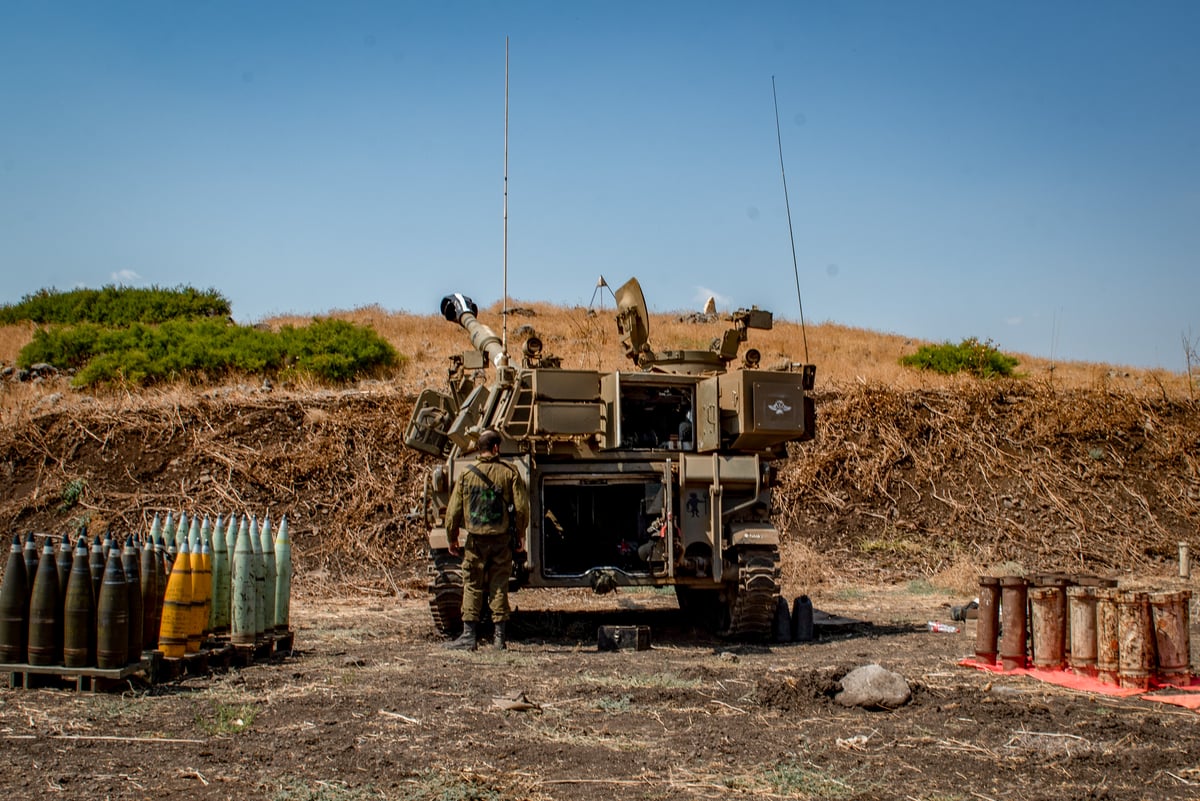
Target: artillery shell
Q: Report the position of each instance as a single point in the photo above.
(112, 613)
(32, 556)
(270, 571)
(260, 582)
(14, 606)
(283, 577)
(177, 607)
(79, 614)
(219, 618)
(201, 581)
(96, 563)
(244, 593)
(148, 571)
(45, 612)
(131, 564)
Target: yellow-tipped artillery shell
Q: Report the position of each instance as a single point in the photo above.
(177, 608)
(201, 586)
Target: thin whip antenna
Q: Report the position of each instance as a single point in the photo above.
(787, 205)
(504, 315)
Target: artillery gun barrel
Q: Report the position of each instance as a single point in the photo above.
(462, 310)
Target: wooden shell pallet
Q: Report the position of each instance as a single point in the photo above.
(216, 655)
(92, 679)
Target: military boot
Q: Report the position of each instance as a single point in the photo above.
(467, 641)
(501, 638)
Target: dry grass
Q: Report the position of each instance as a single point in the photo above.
(844, 355)
(12, 339)
(911, 474)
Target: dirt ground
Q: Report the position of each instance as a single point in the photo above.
(369, 706)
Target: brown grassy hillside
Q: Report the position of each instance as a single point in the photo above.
(1083, 467)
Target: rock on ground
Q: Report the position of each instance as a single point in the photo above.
(872, 686)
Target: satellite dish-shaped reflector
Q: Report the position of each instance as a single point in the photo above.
(632, 316)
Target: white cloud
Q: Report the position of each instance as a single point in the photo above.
(1014, 321)
(125, 276)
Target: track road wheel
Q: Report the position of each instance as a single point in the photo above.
(752, 601)
(741, 610)
(446, 592)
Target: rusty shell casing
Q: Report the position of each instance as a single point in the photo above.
(177, 608)
(1081, 608)
(260, 583)
(132, 565)
(148, 576)
(79, 614)
(1135, 654)
(218, 590)
(988, 623)
(45, 612)
(1012, 626)
(270, 575)
(1108, 637)
(1170, 615)
(1047, 627)
(14, 606)
(112, 616)
(283, 577)
(244, 592)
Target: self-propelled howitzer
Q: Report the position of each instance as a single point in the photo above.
(657, 476)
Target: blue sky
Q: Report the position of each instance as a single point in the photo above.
(1024, 172)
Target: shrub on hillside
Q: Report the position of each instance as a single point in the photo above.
(981, 359)
(116, 306)
(332, 350)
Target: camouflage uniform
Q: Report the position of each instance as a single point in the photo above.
(487, 552)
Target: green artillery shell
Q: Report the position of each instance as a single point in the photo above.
(181, 532)
(194, 537)
(45, 612)
(219, 619)
(283, 577)
(260, 582)
(131, 564)
(79, 615)
(112, 616)
(244, 593)
(14, 606)
(269, 575)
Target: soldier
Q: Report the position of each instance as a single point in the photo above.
(488, 497)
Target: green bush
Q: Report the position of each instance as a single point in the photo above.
(332, 350)
(981, 359)
(115, 306)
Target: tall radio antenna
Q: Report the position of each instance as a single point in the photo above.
(788, 206)
(504, 315)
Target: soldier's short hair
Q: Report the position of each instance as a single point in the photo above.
(488, 440)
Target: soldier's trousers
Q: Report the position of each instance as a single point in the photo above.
(487, 564)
